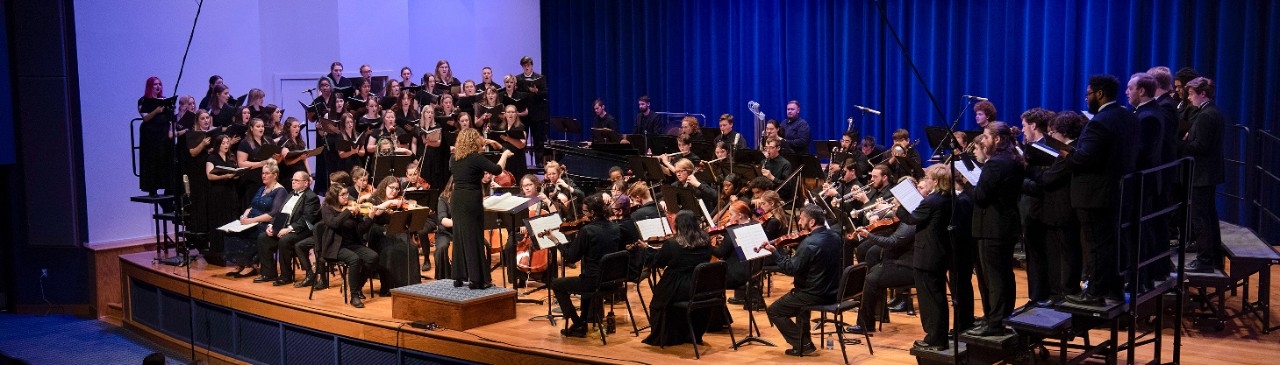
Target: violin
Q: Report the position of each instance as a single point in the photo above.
(572, 226)
(362, 208)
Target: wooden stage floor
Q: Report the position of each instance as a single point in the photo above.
(536, 341)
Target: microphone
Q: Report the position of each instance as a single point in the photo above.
(309, 90)
(186, 184)
(868, 110)
(978, 98)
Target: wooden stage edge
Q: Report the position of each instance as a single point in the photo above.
(525, 341)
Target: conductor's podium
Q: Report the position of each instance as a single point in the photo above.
(454, 308)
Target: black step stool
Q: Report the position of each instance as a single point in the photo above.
(944, 357)
(156, 201)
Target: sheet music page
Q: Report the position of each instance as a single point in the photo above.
(652, 227)
(706, 213)
(907, 195)
(749, 238)
(503, 203)
(1046, 149)
(235, 226)
(972, 175)
(542, 224)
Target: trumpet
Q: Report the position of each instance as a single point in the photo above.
(851, 194)
(894, 150)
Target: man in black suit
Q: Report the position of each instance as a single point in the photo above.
(996, 224)
(1042, 261)
(1103, 154)
(775, 168)
(1154, 119)
(932, 257)
(647, 122)
(298, 216)
(1203, 142)
(816, 268)
(534, 85)
(595, 240)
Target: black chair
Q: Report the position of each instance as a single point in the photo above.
(851, 282)
(707, 292)
(613, 275)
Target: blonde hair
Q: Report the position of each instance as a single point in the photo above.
(684, 164)
(469, 141)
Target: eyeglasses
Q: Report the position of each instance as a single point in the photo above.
(301, 180)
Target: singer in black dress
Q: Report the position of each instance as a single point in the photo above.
(468, 168)
(155, 152)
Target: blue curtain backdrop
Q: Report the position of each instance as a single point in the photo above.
(711, 57)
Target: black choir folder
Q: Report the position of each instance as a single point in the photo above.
(149, 104)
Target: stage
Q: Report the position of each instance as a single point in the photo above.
(237, 321)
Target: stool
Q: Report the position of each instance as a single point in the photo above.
(156, 201)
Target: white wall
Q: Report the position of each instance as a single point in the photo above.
(257, 44)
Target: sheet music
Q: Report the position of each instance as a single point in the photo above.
(907, 195)
(1046, 149)
(235, 226)
(972, 175)
(231, 169)
(706, 213)
(652, 227)
(542, 224)
(748, 238)
(503, 203)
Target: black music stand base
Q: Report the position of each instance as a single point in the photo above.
(753, 329)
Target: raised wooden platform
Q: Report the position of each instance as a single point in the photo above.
(221, 300)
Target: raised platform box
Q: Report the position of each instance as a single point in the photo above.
(458, 309)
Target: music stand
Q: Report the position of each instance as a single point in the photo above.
(746, 172)
(703, 149)
(755, 270)
(646, 168)
(662, 144)
(615, 148)
(394, 165)
(678, 198)
(824, 148)
(812, 169)
(747, 156)
(553, 257)
(566, 126)
(604, 135)
(937, 137)
(638, 141)
(407, 222)
(429, 198)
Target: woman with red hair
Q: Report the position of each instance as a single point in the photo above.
(155, 153)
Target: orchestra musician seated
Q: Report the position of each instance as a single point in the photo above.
(597, 238)
(815, 265)
(519, 253)
(678, 257)
(344, 227)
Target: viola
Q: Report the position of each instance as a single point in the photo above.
(505, 179)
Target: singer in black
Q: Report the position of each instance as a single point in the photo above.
(815, 265)
(534, 85)
(596, 239)
(1102, 155)
(469, 248)
(156, 156)
(647, 122)
(996, 224)
(1204, 143)
(932, 254)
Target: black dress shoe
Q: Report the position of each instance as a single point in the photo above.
(359, 294)
(577, 330)
(309, 281)
(899, 305)
(920, 344)
(809, 348)
(321, 284)
(985, 331)
(457, 283)
(282, 282)
(1086, 299)
(1043, 303)
(386, 292)
(737, 301)
(263, 279)
(859, 330)
(357, 301)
